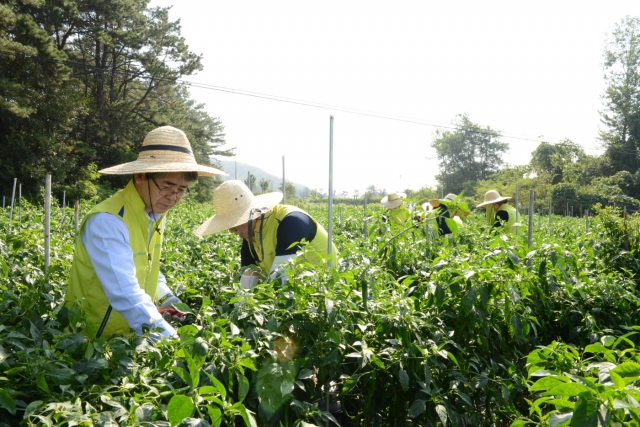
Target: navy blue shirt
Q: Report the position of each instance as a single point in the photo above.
(294, 227)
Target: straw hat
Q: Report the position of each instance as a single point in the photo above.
(164, 149)
(233, 202)
(492, 196)
(427, 206)
(436, 202)
(392, 200)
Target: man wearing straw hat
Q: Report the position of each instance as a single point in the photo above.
(398, 213)
(498, 212)
(272, 233)
(115, 273)
(443, 209)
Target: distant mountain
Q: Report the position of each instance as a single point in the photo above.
(240, 171)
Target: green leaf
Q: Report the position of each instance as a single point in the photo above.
(559, 417)
(585, 413)
(221, 388)
(404, 379)
(417, 407)
(179, 408)
(6, 401)
(42, 383)
(568, 390)
(215, 414)
(243, 386)
(627, 369)
(249, 420)
(180, 306)
(468, 300)
(442, 414)
(194, 370)
(547, 383)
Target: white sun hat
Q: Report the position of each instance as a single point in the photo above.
(233, 203)
(392, 200)
(492, 196)
(164, 149)
(436, 202)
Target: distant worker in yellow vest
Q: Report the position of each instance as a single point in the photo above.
(271, 233)
(499, 214)
(398, 212)
(442, 212)
(115, 273)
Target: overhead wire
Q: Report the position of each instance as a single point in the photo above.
(295, 101)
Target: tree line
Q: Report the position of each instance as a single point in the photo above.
(470, 155)
(82, 82)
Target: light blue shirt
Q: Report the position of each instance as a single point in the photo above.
(106, 239)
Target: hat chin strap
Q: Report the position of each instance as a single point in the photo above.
(252, 248)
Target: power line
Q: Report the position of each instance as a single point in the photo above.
(291, 100)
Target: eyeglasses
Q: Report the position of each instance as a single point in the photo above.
(168, 192)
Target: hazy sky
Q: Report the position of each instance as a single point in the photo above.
(532, 71)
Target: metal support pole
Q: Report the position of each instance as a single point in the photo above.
(586, 220)
(284, 186)
(47, 222)
(13, 196)
(550, 209)
(531, 213)
(330, 228)
(366, 231)
(517, 207)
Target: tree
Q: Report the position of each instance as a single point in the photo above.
(250, 181)
(621, 114)
(290, 192)
(264, 184)
(371, 190)
(467, 155)
(549, 161)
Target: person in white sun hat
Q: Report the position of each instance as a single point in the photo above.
(442, 212)
(398, 212)
(498, 213)
(271, 232)
(115, 274)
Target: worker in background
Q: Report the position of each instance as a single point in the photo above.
(499, 214)
(115, 274)
(448, 207)
(398, 213)
(271, 233)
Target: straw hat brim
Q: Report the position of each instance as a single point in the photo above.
(222, 222)
(489, 202)
(393, 203)
(149, 166)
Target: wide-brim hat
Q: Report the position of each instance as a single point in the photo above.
(164, 149)
(436, 202)
(392, 200)
(233, 203)
(492, 196)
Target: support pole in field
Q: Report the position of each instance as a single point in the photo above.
(284, 187)
(2, 202)
(550, 210)
(47, 221)
(516, 207)
(19, 203)
(586, 220)
(13, 196)
(330, 229)
(340, 215)
(64, 198)
(531, 213)
(366, 231)
(76, 208)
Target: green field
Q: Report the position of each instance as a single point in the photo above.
(410, 329)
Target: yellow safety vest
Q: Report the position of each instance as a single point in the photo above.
(83, 283)
(400, 215)
(314, 252)
(509, 227)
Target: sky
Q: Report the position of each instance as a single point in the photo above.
(391, 73)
